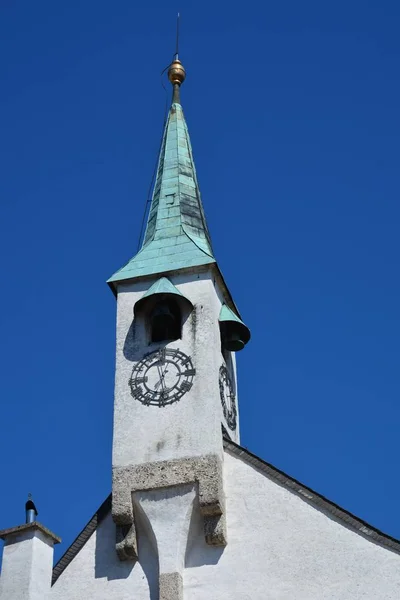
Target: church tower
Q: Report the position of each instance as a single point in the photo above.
(175, 386)
(192, 514)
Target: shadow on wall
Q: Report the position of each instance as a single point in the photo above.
(147, 549)
(107, 563)
(131, 352)
(198, 552)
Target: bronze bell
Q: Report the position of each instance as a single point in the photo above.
(163, 306)
(164, 323)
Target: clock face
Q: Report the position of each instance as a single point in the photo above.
(162, 377)
(228, 398)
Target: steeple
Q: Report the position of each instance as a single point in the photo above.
(175, 380)
(176, 235)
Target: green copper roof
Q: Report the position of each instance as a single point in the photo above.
(163, 286)
(226, 314)
(176, 234)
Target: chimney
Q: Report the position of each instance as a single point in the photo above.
(27, 559)
(30, 510)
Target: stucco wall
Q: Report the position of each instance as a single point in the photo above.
(279, 548)
(96, 572)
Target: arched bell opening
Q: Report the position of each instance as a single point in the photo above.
(165, 321)
(163, 308)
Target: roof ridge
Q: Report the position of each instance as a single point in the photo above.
(81, 539)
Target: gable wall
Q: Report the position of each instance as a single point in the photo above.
(279, 548)
(97, 573)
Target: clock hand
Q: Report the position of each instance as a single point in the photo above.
(158, 383)
(163, 373)
(161, 380)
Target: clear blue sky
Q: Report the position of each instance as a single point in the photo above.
(293, 111)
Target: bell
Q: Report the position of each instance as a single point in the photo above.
(163, 305)
(234, 333)
(162, 317)
(164, 324)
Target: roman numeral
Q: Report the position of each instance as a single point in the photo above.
(163, 398)
(136, 393)
(185, 386)
(146, 399)
(139, 380)
(189, 372)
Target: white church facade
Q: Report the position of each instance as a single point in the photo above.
(192, 514)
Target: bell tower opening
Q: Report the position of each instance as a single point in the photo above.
(165, 321)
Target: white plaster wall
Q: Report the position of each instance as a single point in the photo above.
(280, 548)
(166, 515)
(96, 572)
(191, 426)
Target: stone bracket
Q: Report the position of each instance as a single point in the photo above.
(126, 543)
(205, 470)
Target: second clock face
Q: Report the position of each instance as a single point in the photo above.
(162, 377)
(228, 398)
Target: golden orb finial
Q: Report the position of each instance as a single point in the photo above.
(176, 72)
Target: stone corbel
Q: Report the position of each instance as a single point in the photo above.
(206, 471)
(126, 543)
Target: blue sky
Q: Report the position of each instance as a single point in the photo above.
(293, 114)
